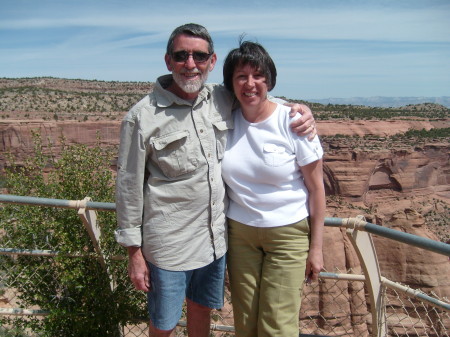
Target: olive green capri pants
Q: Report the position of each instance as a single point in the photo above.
(266, 268)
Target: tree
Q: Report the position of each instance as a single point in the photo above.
(73, 286)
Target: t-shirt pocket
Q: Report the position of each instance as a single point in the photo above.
(275, 155)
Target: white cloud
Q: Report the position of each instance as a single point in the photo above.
(324, 23)
(320, 47)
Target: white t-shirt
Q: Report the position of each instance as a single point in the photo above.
(262, 173)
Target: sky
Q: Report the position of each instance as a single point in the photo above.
(322, 48)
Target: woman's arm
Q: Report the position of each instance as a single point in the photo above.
(313, 177)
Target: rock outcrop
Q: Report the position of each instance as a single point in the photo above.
(404, 185)
(370, 176)
(16, 137)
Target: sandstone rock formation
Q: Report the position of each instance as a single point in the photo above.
(17, 136)
(393, 187)
(404, 185)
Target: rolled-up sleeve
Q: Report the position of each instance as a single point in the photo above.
(129, 184)
(128, 237)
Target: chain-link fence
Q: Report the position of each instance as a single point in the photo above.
(325, 306)
(409, 316)
(32, 271)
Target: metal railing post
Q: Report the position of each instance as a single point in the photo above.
(365, 249)
(89, 219)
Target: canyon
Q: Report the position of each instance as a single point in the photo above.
(401, 183)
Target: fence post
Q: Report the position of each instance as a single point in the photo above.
(89, 218)
(365, 249)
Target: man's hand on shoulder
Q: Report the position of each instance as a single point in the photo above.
(305, 125)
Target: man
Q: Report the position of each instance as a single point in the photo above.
(170, 195)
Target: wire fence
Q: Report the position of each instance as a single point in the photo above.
(325, 307)
(338, 305)
(409, 316)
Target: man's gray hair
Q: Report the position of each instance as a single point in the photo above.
(191, 29)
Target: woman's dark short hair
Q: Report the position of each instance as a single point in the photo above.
(253, 54)
(191, 29)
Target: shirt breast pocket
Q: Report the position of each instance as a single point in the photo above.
(221, 131)
(175, 153)
(275, 155)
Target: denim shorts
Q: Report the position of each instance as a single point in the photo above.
(204, 286)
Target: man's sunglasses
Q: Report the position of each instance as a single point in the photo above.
(198, 56)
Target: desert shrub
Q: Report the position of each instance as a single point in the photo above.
(83, 297)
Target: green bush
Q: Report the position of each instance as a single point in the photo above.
(73, 286)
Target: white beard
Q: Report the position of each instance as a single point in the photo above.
(190, 86)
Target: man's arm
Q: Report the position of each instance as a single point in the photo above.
(138, 270)
(129, 201)
(305, 125)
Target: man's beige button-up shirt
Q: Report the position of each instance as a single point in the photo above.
(170, 195)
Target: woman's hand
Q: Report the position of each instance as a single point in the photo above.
(313, 178)
(314, 264)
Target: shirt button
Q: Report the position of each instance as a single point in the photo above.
(201, 130)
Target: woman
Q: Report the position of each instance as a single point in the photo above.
(277, 201)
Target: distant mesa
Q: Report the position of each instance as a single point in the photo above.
(383, 101)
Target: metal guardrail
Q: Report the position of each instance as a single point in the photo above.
(351, 223)
(358, 231)
(413, 240)
(75, 204)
